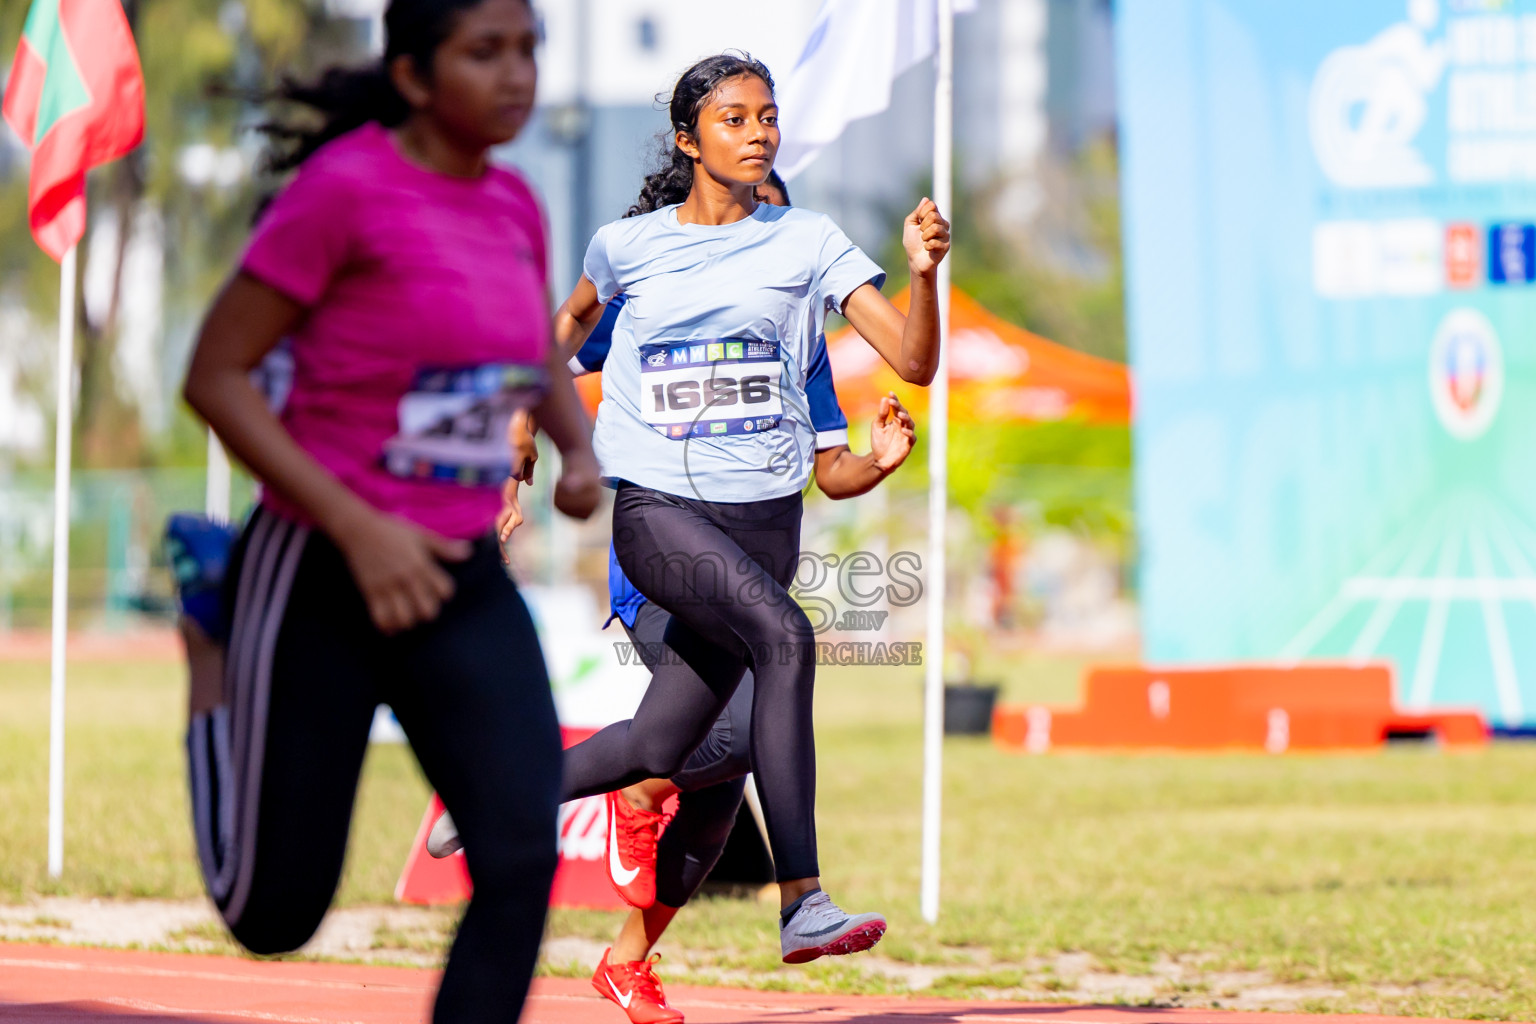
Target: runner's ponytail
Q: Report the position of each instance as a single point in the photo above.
(345, 98)
(348, 98)
(674, 180)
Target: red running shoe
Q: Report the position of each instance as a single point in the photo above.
(632, 851)
(636, 989)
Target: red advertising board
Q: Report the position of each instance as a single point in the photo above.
(580, 881)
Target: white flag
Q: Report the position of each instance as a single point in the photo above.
(856, 49)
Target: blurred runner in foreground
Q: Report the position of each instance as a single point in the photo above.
(410, 276)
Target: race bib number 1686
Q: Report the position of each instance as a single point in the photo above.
(711, 388)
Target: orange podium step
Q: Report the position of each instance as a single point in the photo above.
(1255, 707)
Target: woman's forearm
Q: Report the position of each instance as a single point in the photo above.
(841, 474)
(245, 323)
(238, 413)
(560, 414)
(920, 337)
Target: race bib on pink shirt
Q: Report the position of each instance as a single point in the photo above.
(453, 423)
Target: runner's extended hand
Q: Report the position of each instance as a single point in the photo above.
(580, 486)
(525, 450)
(892, 434)
(511, 515)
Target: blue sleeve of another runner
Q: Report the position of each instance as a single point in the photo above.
(624, 601)
(827, 417)
(594, 351)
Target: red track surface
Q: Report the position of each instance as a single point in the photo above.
(59, 985)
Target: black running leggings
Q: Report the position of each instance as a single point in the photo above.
(713, 782)
(274, 770)
(721, 569)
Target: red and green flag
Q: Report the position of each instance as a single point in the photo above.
(76, 98)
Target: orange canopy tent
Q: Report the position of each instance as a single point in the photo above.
(998, 373)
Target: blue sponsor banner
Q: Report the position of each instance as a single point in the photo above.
(1329, 241)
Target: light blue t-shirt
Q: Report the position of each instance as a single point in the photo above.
(624, 601)
(704, 387)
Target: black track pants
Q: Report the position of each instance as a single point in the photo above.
(713, 781)
(274, 770)
(721, 570)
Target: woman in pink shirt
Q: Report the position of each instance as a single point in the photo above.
(410, 276)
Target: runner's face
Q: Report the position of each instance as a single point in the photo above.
(739, 132)
(484, 73)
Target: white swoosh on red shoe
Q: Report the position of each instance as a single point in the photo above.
(621, 997)
(616, 868)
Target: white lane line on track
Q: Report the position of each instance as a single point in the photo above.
(967, 1015)
(161, 972)
(280, 1018)
(958, 1015)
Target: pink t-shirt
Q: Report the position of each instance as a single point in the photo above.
(428, 318)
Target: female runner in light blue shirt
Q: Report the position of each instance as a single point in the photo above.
(705, 434)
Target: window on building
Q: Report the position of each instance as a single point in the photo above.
(645, 31)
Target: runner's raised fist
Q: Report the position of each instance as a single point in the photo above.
(925, 236)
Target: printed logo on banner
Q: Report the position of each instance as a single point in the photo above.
(1463, 256)
(1360, 259)
(1411, 255)
(1466, 374)
(1370, 102)
(1512, 253)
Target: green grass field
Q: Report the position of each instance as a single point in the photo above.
(1400, 882)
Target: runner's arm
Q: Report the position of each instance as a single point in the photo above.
(565, 421)
(841, 474)
(246, 322)
(394, 562)
(909, 343)
(576, 318)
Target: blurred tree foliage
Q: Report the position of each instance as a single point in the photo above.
(1061, 278)
(194, 53)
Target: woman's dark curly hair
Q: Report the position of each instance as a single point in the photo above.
(348, 98)
(674, 180)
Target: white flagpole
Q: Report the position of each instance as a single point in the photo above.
(63, 433)
(216, 496)
(938, 479)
